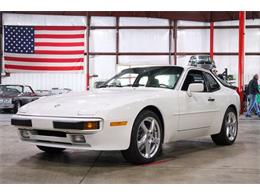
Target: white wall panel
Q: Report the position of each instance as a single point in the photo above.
(74, 81)
(227, 23)
(252, 66)
(193, 40)
(102, 40)
(42, 20)
(102, 21)
(103, 66)
(134, 21)
(229, 62)
(183, 60)
(144, 40)
(144, 60)
(252, 40)
(191, 23)
(226, 40)
(253, 22)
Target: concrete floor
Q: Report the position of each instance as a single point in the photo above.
(189, 161)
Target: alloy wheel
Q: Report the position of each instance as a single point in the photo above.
(148, 137)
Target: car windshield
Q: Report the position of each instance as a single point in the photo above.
(159, 77)
(11, 88)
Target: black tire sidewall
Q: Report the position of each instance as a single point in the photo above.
(223, 129)
(132, 152)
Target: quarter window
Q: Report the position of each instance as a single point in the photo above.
(194, 76)
(211, 82)
(27, 90)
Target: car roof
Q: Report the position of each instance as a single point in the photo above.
(185, 67)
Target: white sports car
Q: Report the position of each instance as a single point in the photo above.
(136, 112)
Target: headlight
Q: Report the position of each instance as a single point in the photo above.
(91, 125)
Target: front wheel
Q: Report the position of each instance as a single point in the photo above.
(229, 129)
(146, 139)
(51, 149)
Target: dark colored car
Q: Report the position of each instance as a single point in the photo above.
(12, 97)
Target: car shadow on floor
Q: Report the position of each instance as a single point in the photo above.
(171, 152)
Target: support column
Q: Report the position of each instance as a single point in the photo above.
(170, 42)
(87, 63)
(175, 41)
(241, 55)
(211, 40)
(117, 40)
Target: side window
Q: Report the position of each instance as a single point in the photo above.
(211, 82)
(27, 90)
(194, 76)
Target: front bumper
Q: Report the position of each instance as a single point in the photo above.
(41, 131)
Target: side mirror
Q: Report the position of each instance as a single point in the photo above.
(195, 87)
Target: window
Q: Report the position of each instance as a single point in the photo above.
(160, 77)
(211, 82)
(193, 76)
(27, 90)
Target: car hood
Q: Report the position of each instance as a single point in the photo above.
(89, 103)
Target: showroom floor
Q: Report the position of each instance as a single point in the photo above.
(196, 161)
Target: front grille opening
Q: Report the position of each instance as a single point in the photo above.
(50, 133)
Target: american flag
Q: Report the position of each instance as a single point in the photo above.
(44, 48)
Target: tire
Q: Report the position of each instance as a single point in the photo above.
(17, 105)
(51, 150)
(146, 141)
(229, 129)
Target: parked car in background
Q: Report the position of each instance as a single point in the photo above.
(58, 91)
(12, 97)
(136, 112)
(202, 61)
(40, 92)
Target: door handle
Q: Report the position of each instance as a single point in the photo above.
(211, 99)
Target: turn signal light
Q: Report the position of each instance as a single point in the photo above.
(118, 123)
(91, 125)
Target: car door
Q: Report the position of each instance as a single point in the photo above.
(196, 112)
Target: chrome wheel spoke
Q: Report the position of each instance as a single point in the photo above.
(156, 141)
(231, 126)
(143, 126)
(149, 137)
(141, 142)
(152, 126)
(147, 149)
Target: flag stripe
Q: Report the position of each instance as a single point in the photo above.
(66, 52)
(46, 68)
(52, 60)
(59, 48)
(59, 28)
(56, 44)
(43, 55)
(59, 36)
(59, 32)
(44, 40)
(43, 63)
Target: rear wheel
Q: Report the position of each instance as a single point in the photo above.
(229, 129)
(146, 139)
(51, 149)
